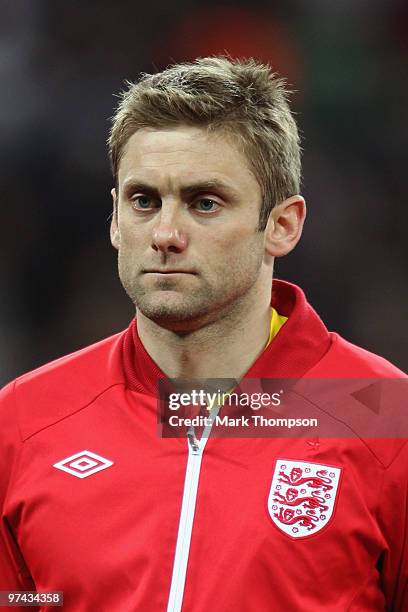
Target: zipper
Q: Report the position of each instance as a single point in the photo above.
(195, 455)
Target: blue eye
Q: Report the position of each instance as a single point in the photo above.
(142, 203)
(207, 205)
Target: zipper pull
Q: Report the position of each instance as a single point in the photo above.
(192, 440)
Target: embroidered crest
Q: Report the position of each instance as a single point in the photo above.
(302, 496)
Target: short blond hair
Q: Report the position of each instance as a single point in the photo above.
(242, 97)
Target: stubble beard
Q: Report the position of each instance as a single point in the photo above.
(169, 302)
(169, 308)
(188, 304)
(187, 307)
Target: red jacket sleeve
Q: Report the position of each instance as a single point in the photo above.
(14, 575)
(393, 521)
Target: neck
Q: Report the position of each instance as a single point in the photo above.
(224, 348)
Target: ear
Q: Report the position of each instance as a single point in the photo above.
(285, 225)
(114, 228)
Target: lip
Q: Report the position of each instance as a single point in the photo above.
(168, 272)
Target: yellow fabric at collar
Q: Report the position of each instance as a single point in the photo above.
(277, 321)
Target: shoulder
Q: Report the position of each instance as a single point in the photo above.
(347, 360)
(61, 387)
(366, 394)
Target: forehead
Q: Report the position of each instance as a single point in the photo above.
(185, 153)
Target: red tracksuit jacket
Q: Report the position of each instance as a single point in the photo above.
(96, 505)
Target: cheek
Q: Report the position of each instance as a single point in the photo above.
(244, 240)
(241, 254)
(129, 252)
(235, 236)
(132, 237)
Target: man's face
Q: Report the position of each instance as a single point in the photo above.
(186, 226)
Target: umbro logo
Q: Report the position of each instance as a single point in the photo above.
(83, 464)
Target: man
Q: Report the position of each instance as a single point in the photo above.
(205, 158)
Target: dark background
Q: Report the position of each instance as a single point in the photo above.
(60, 64)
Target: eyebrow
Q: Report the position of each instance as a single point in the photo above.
(187, 190)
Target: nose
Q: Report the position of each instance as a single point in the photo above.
(167, 235)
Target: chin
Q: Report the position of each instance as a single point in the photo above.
(165, 306)
(173, 312)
